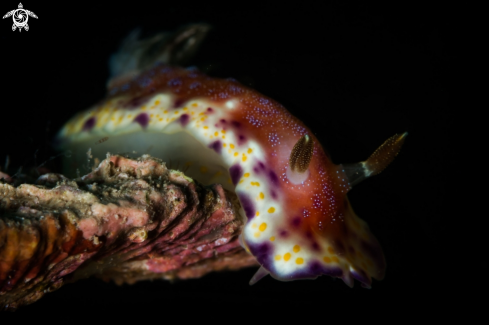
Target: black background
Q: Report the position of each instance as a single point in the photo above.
(355, 74)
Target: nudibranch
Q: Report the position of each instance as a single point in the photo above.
(299, 223)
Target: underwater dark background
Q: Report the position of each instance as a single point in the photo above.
(355, 74)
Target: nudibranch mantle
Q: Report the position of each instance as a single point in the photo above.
(219, 131)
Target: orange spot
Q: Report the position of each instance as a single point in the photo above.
(335, 259)
(249, 150)
(262, 196)
(286, 257)
(296, 248)
(278, 257)
(263, 226)
(271, 210)
(272, 238)
(299, 260)
(327, 259)
(203, 169)
(331, 250)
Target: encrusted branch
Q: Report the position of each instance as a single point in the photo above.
(126, 221)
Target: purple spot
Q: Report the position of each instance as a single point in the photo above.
(216, 146)
(209, 110)
(296, 222)
(135, 102)
(241, 139)
(247, 205)
(262, 165)
(273, 194)
(184, 119)
(223, 95)
(236, 124)
(273, 178)
(144, 82)
(283, 233)
(236, 172)
(142, 119)
(178, 103)
(222, 120)
(89, 124)
(255, 169)
(315, 247)
(174, 82)
(194, 85)
(308, 234)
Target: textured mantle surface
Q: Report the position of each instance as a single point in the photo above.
(128, 220)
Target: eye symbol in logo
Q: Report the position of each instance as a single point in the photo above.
(20, 17)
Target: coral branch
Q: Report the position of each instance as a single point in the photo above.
(126, 221)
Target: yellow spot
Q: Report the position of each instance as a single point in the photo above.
(229, 151)
(263, 226)
(201, 113)
(244, 158)
(129, 116)
(231, 146)
(296, 248)
(229, 180)
(271, 210)
(249, 150)
(195, 105)
(299, 260)
(185, 108)
(223, 131)
(262, 196)
(335, 259)
(224, 137)
(157, 102)
(235, 154)
(143, 108)
(255, 183)
(286, 257)
(112, 119)
(120, 118)
(224, 145)
(278, 257)
(206, 127)
(151, 115)
(165, 111)
(246, 175)
(203, 169)
(272, 238)
(257, 213)
(218, 173)
(331, 250)
(216, 133)
(192, 113)
(326, 259)
(176, 112)
(253, 225)
(203, 118)
(241, 181)
(257, 234)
